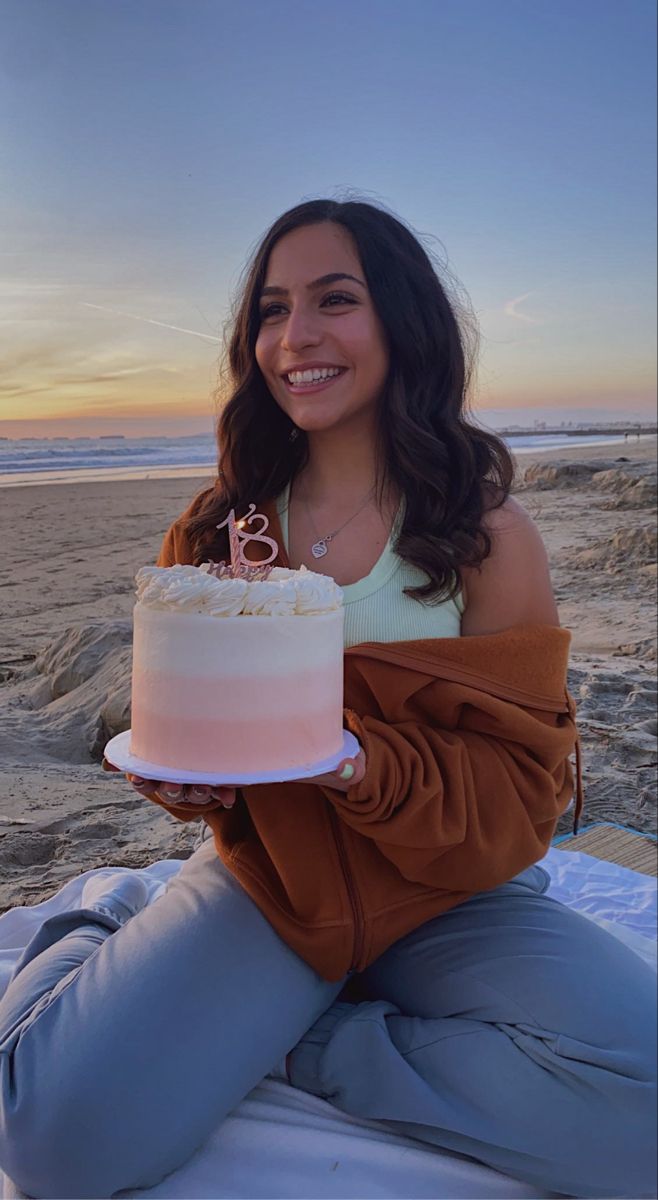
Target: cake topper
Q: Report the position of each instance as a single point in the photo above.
(242, 567)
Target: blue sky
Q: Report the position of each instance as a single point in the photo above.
(148, 145)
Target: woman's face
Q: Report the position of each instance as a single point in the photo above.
(308, 324)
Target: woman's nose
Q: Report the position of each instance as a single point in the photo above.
(301, 329)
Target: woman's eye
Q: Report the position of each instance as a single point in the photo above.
(339, 296)
(270, 309)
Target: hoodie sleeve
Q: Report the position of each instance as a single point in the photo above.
(462, 809)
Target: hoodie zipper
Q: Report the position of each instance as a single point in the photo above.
(352, 891)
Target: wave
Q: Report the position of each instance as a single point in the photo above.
(34, 455)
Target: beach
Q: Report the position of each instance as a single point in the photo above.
(71, 551)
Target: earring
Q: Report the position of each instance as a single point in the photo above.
(294, 434)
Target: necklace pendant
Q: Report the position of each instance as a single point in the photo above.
(319, 549)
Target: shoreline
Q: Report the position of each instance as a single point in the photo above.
(105, 475)
(207, 470)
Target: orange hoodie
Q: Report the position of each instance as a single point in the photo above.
(467, 744)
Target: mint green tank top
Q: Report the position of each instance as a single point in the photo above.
(376, 607)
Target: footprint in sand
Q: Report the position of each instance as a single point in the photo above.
(28, 848)
(83, 828)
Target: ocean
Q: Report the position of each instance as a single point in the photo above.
(66, 460)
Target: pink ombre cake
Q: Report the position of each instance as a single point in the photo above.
(236, 676)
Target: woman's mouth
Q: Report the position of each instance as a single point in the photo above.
(319, 385)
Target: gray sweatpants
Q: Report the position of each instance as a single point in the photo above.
(510, 1029)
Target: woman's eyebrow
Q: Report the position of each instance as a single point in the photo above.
(273, 290)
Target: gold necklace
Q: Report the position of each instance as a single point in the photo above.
(321, 546)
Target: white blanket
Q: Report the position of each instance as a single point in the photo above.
(281, 1142)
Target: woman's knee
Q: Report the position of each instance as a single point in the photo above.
(54, 1149)
(62, 1132)
(33, 1154)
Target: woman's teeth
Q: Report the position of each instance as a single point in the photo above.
(316, 376)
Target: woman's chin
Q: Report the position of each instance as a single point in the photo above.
(319, 427)
(317, 421)
(311, 420)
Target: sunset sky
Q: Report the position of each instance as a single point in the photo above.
(148, 145)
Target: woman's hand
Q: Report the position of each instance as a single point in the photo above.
(178, 793)
(347, 773)
(183, 793)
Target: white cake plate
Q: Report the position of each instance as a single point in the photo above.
(118, 753)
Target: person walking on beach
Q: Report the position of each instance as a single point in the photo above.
(382, 935)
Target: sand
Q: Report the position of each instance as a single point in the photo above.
(70, 553)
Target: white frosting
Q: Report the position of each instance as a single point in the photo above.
(192, 589)
(265, 599)
(187, 589)
(313, 595)
(286, 573)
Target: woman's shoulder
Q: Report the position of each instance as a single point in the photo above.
(510, 517)
(512, 586)
(507, 519)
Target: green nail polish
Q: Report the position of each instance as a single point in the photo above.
(347, 772)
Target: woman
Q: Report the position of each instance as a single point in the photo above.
(382, 930)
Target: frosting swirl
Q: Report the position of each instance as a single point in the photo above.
(189, 589)
(193, 589)
(266, 598)
(315, 593)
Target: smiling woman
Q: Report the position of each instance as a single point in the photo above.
(378, 933)
(391, 414)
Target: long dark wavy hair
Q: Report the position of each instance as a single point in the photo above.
(448, 470)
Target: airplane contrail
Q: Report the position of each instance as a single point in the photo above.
(149, 321)
(510, 310)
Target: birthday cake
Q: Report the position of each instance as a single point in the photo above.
(236, 673)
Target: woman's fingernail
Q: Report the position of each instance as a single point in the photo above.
(137, 782)
(172, 794)
(347, 772)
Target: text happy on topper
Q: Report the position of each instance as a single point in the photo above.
(242, 567)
